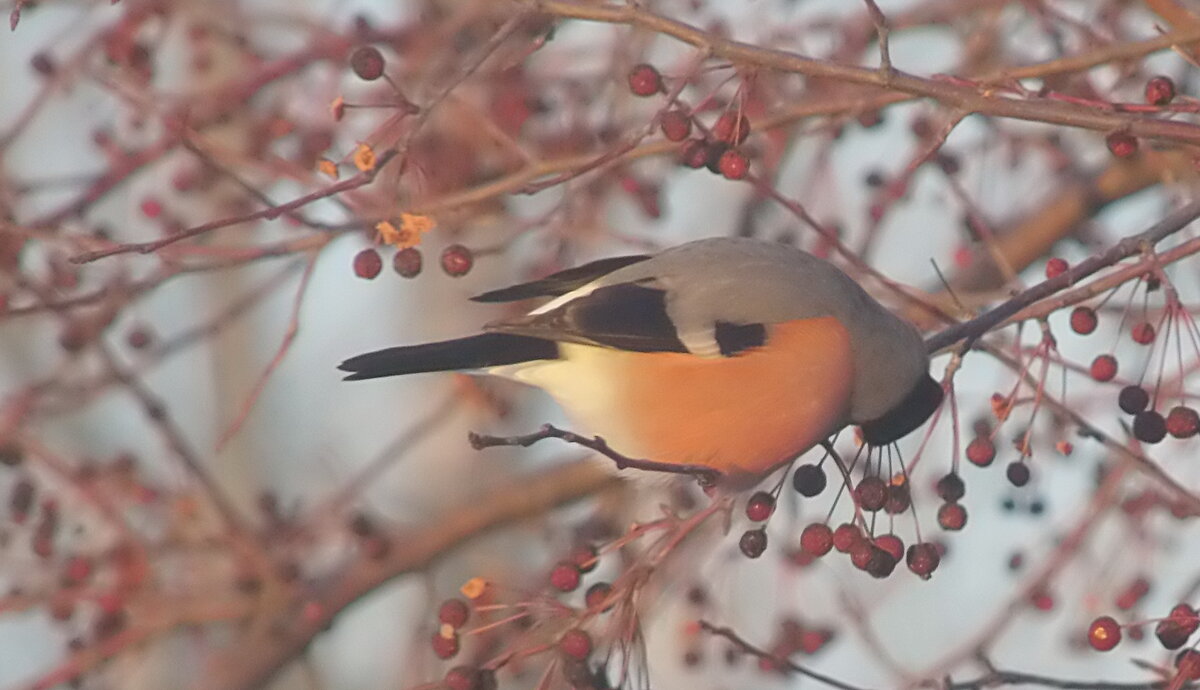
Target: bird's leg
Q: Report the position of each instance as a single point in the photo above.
(706, 476)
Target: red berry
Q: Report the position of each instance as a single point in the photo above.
(693, 153)
(892, 544)
(367, 63)
(462, 678)
(1142, 333)
(816, 539)
(565, 576)
(1017, 473)
(871, 493)
(1183, 422)
(809, 480)
(445, 647)
(644, 80)
(676, 125)
(760, 506)
(585, 557)
(367, 264)
(923, 559)
(1104, 633)
(731, 128)
(1104, 368)
(1160, 90)
(846, 536)
(981, 451)
(882, 563)
(575, 643)
(1121, 144)
(43, 64)
(457, 260)
(861, 553)
(1186, 617)
(1149, 427)
(952, 517)
(733, 165)
(407, 262)
(454, 613)
(951, 488)
(596, 594)
(898, 498)
(753, 543)
(1083, 320)
(151, 208)
(139, 338)
(1133, 399)
(1173, 632)
(1056, 267)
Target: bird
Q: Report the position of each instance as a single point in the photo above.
(728, 355)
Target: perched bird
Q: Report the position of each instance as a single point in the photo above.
(733, 355)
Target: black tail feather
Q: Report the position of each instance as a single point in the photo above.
(474, 352)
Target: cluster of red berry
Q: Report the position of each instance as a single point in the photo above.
(456, 261)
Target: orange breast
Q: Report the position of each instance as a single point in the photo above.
(744, 414)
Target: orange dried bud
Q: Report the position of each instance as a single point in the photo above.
(328, 168)
(364, 158)
(474, 588)
(338, 108)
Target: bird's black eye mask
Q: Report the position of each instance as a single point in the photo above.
(908, 414)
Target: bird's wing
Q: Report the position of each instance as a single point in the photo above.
(562, 282)
(626, 316)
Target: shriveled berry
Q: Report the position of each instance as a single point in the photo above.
(407, 262)
(816, 539)
(693, 153)
(809, 480)
(923, 559)
(882, 563)
(457, 260)
(760, 506)
(846, 536)
(575, 643)
(454, 613)
(952, 517)
(644, 80)
(1104, 368)
(1104, 633)
(871, 493)
(951, 487)
(1017, 473)
(1183, 422)
(596, 594)
(1187, 663)
(367, 63)
(753, 543)
(676, 125)
(733, 165)
(1171, 634)
(715, 150)
(1121, 144)
(367, 264)
(1142, 333)
(1160, 90)
(1133, 399)
(1056, 267)
(731, 128)
(981, 451)
(1083, 320)
(1149, 427)
(565, 576)
(444, 646)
